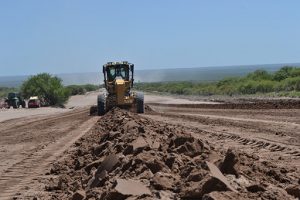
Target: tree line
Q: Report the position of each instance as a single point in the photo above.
(285, 82)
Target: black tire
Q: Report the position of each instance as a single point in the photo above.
(101, 105)
(140, 108)
(23, 104)
(15, 105)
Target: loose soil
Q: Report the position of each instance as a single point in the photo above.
(170, 152)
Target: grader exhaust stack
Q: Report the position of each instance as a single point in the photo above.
(118, 81)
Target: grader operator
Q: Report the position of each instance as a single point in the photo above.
(118, 81)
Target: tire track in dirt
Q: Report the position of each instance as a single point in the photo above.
(282, 115)
(33, 162)
(286, 157)
(23, 122)
(286, 132)
(262, 104)
(253, 142)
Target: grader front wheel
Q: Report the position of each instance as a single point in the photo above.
(101, 105)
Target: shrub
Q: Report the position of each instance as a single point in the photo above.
(81, 89)
(295, 72)
(259, 75)
(283, 73)
(248, 87)
(76, 90)
(289, 84)
(90, 87)
(265, 86)
(47, 87)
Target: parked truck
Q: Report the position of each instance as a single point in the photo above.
(15, 100)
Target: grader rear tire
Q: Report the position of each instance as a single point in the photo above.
(140, 108)
(101, 105)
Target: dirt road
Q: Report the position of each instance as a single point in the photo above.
(267, 138)
(28, 146)
(272, 133)
(77, 101)
(80, 101)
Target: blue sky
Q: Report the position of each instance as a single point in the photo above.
(68, 36)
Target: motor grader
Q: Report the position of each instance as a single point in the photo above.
(118, 82)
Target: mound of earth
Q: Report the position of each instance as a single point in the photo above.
(126, 156)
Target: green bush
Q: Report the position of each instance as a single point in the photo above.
(46, 87)
(265, 86)
(76, 90)
(247, 87)
(295, 72)
(283, 73)
(259, 75)
(289, 84)
(81, 89)
(90, 87)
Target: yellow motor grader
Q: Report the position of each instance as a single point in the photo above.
(118, 81)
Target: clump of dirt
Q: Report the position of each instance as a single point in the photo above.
(148, 109)
(126, 156)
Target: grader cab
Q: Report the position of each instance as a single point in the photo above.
(118, 81)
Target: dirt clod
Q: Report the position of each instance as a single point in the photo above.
(131, 187)
(163, 181)
(294, 191)
(228, 166)
(79, 195)
(256, 188)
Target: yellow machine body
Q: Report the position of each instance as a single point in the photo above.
(118, 81)
(120, 87)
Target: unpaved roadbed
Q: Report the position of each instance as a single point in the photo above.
(28, 147)
(124, 151)
(78, 101)
(169, 152)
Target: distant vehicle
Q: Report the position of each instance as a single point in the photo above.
(34, 102)
(15, 100)
(43, 103)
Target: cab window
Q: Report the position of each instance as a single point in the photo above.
(123, 73)
(111, 73)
